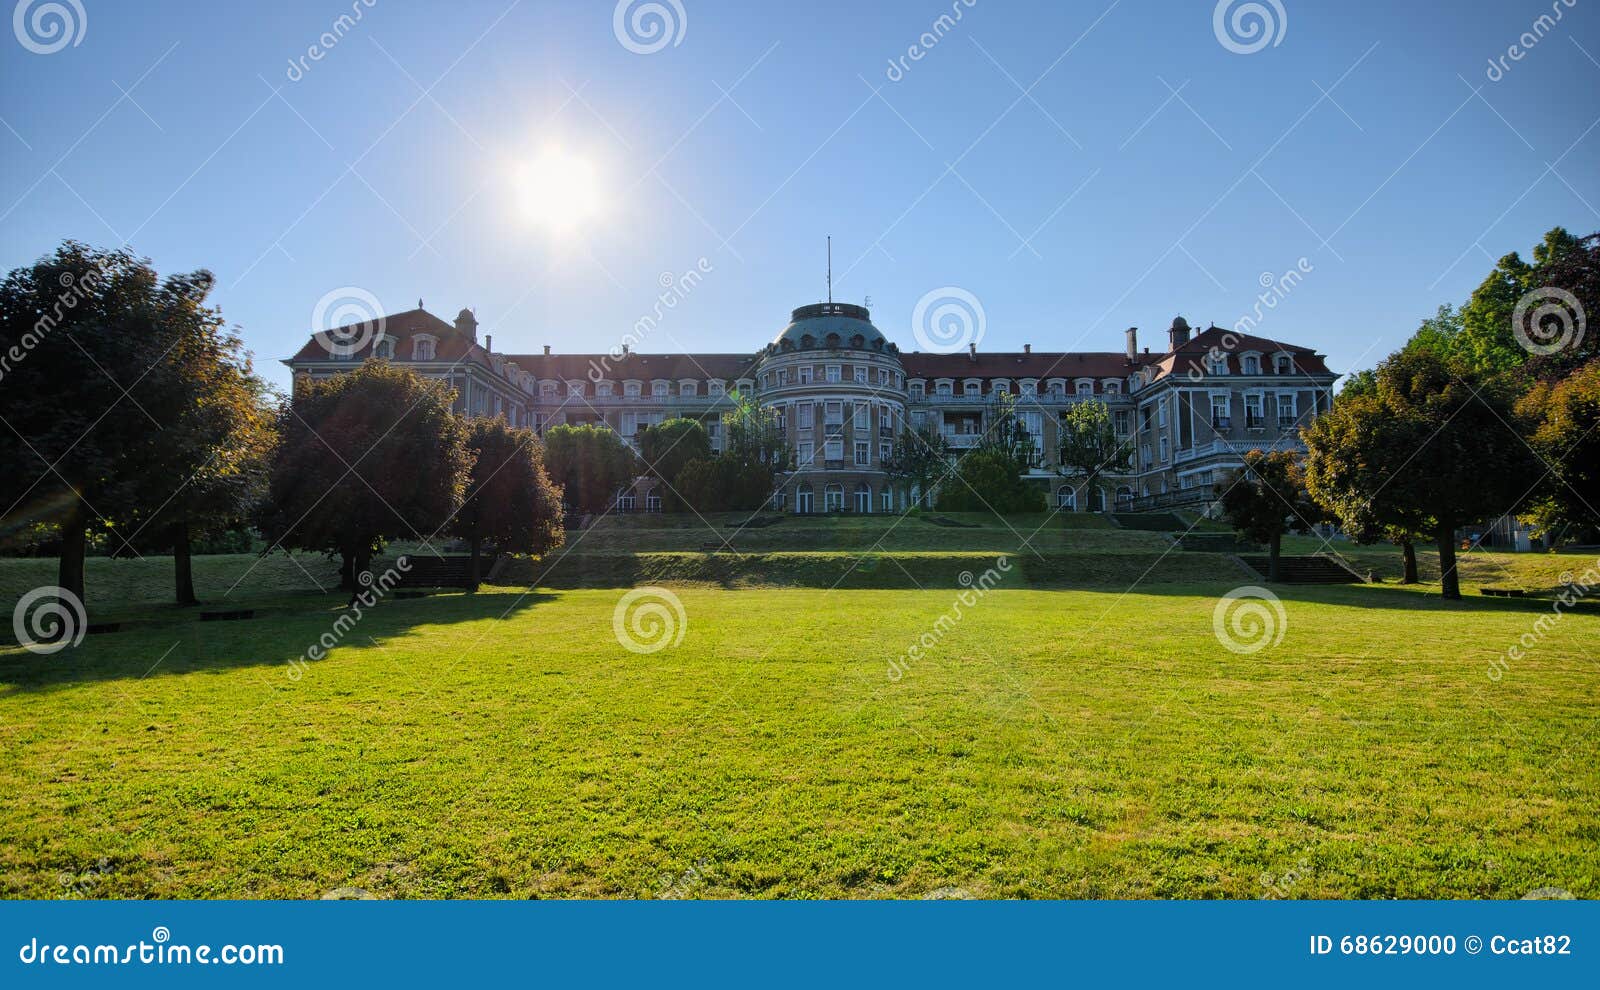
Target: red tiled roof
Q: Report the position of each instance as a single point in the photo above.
(643, 367)
(452, 346)
(1018, 364)
(1231, 345)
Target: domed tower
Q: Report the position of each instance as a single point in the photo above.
(467, 324)
(840, 391)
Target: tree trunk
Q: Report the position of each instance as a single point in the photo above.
(1274, 565)
(1408, 552)
(1449, 580)
(347, 570)
(360, 572)
(477, 546)
(74, 541)
(182, 565)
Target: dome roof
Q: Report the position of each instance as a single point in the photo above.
(831, 326)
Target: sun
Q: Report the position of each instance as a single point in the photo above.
(559, 190)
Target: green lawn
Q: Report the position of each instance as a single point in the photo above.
(1067, 742)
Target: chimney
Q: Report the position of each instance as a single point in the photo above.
(488, 342)
(1133, 343)
(624, 348)
(1027, 348)
(1179, 334)
(972, 353)
(547, 350)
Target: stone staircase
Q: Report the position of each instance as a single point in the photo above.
(1197, 542)
(1309, 569)
(1156, 522)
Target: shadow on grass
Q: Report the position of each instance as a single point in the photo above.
(282, 633)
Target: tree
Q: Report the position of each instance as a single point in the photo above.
(1266, 499)
(363, 457)
(1566, 433)
(90, 386)
(1571, 335)
(917, 461)
(590, 463)
(1481, 335)
(210, 466)
(510, 501)
(751, 434)
(666, 447)
(1090, 446)
(990, 480)
(726, 483)
(1355, 451)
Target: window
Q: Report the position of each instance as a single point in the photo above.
(972, 387)
(423, 348)
(885, 451)
(833, 413)
(630, 424)
(1250, 364)
(886, 500)
(1219, 412)
(625, 500)
(1033, 423)
(883, 376)
(918, 390)
(1123, 422)
(652, 502)
(1058, 391)
(1112, 387)
(1161, 413)
(1288, 410)
(1163, 444)
(689, 388)
(1001, 386)
(659, 390)
(803, 374)
(715, 388)
(602, 389)
(1066, 498)
(942, 388)
(885, 419)
(863, 453)
(833, 498)
(1216, 364)
(1029, 388)
(833, 449)
(1085, 387)
(384, 348)
(833, 372)
(547, 390)
(1253, 417)
(1283, 364)
(861, 376)
(861, 419)
(804, 452)
(783, 376)
(808, 415)
(575, 390)
(630, 389)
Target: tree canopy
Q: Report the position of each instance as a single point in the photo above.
(1266, 499)
(590, 464)
(510, 500)
(1089, 445)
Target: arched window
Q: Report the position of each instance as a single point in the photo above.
(833, 341)
(1066, 498)
(863, 498)
(807, 341)
(833, 498)
(1124, 494)
(423, 347)
(803, 500)
(384, 348)
(858, 342)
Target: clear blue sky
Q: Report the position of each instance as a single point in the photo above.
(758, 133)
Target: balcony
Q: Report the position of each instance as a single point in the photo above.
(962, 441)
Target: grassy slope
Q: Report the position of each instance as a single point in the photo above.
(1074, 743)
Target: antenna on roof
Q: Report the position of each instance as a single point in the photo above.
(830, 268)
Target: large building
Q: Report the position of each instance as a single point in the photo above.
(843, 392)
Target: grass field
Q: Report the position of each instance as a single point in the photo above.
(1072, 741)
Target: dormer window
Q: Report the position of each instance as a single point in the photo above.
(575, 390)
(689, 388)
(1000, 386)
(547, 390)
(1028, 387)
(1216, 364)
(1250, 364)
(423, 347)
(972, 387)
(715, 388)
(918, 390)
(1111, 386)
(1085, 387)
(384, 348)
(630, 389)
(660, 389)
(602, 389)
(1283, 364)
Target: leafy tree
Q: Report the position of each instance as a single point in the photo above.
(1266, 499)
(751, 434)
(590, 463)
(990, 479)
(917, 461)
(1573, 268)
(210, 467)
(1090, 446)
(1356, 450)
(364, 457)
(510, 500)
(91, 384)
(726, 483)
(1566, 434)
(666, 447)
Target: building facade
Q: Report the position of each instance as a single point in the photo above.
(843, 392)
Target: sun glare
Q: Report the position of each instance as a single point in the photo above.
(559, 190)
